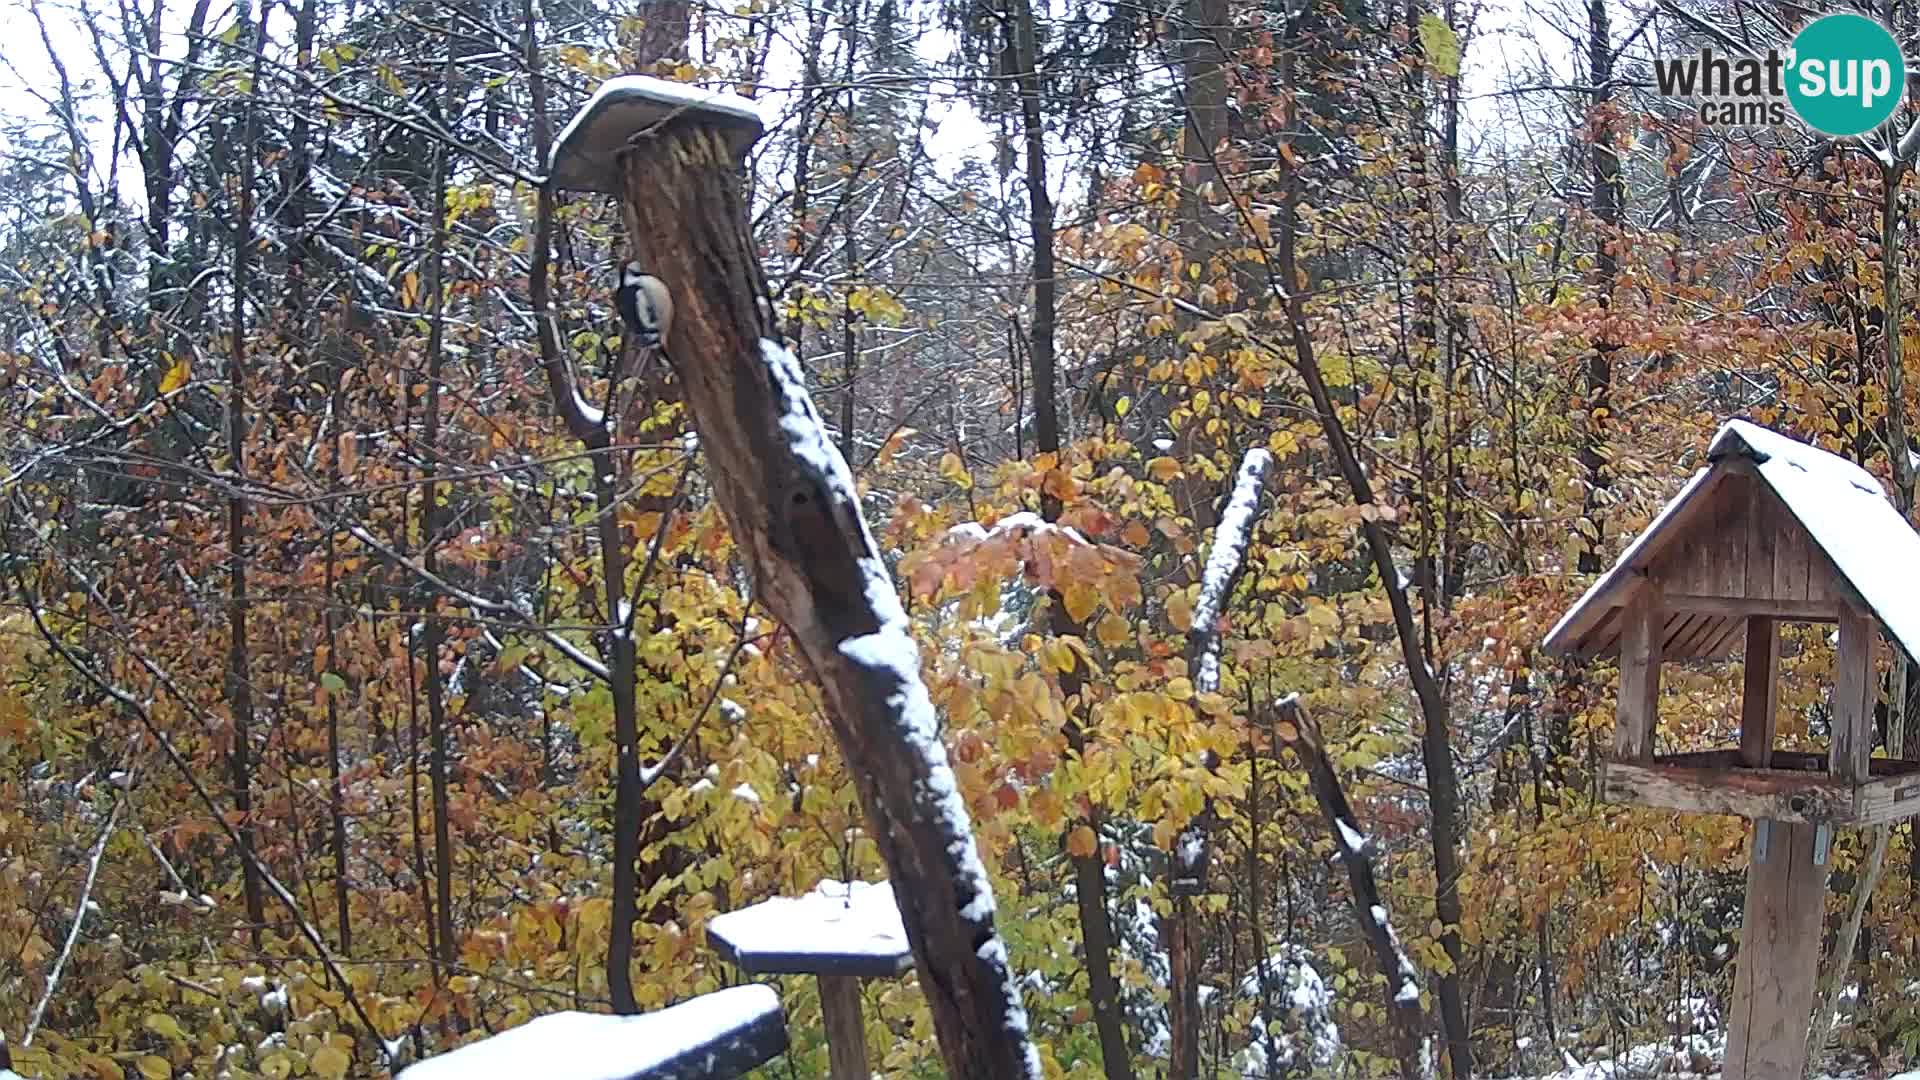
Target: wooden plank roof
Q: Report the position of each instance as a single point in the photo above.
(1801, 501)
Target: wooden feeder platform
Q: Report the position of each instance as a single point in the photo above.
(710, 1037)
(1792, 787)
(840, 932)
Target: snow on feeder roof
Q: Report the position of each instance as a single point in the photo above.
(719, 1034)
(1817, 532)
(839, 928)
(586, 157)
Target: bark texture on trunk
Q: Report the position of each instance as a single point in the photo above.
(239, 677)
(1443, 782)
(1607, 198)
(1089, 871)
(792, 506)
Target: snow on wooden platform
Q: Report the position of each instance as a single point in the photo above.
(837, 929)
(717, 1035)
(586, 156)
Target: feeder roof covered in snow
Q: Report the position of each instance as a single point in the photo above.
(724, 1033)
(1771, 527)
(587, 155)
(837, 929)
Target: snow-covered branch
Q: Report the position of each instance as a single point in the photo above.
(1224, 561)
(80, 909)
(1292, 725)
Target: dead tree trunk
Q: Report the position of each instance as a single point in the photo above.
(795, 516)
(1294, 727)
(1193, 850)
(1089, 871)
(239, 677)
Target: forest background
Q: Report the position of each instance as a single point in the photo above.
(311, 698)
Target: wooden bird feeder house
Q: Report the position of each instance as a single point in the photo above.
(1771, 531)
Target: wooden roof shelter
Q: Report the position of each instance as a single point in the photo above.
(1771, 526)
(1772, 530)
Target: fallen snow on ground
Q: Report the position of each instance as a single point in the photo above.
(1299, 999)
(1677, 1058)
(1696, 1057)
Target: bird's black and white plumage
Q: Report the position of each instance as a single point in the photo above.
(645, 305)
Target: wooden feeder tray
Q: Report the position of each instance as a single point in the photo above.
(1794, 787)
(709, 1037)
(841, 932)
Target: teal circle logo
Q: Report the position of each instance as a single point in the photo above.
(1846, 76)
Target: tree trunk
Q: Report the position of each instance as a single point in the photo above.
(1839, 962)
(336, 792)
(794, 512)
(1089, 871)
(617, 645)
(1443, 785)
(239, 678)
(1606, 212)
(434, 632)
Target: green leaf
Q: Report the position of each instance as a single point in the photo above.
(334, 683)
(1441, 45)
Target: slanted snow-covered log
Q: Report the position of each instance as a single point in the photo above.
(1193, 849)
(795, 515)
(711, 1037)
(1295, 727)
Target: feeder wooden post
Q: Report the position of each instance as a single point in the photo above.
(846, 1027)
(1773, 983)
(1640, 637)
(1854, 692)
(1760, 692)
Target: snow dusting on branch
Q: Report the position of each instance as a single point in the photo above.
(887, 661)
(1293, 725)
(1229, 552)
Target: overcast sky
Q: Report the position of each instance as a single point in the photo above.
(1511, 42)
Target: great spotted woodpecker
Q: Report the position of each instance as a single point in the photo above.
(645, 304)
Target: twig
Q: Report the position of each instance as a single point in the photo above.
(79, 917)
